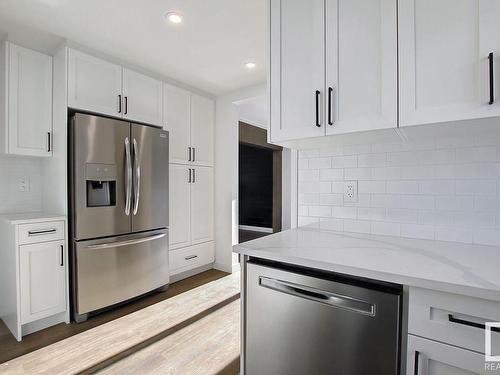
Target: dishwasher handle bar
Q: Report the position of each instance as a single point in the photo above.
(328, 298)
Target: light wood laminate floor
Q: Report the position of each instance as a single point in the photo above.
(206, 347)
(10, 348)
(101, 346)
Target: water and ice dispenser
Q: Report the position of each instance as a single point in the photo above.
(101, 185)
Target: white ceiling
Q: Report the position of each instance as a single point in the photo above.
(207, 50)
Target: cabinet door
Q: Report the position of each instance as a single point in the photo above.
(202, 205)
(94, 85)
(143, 98)
(42, 280)
(202, 130)
(443, 55)
(176, 120)
(297, 69)
(30, 102)
(361, 52)
(179, 206)
(435, 358)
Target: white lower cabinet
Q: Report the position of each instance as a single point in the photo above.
(191, 217)
(42, 280)
(427, 357)
(202, 205)
(33, 272)
(179, 206)
(446, 333)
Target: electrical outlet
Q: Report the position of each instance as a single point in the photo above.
(351, 191)
(24, 184)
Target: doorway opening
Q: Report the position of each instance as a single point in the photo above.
(260, 184)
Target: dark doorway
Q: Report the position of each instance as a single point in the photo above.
(259, 184)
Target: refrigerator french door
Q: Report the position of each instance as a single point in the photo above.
(119, 211)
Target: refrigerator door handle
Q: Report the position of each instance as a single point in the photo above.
(137, 180)
(107, 245)
(128, 178)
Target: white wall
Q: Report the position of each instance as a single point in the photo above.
(11, 170)
(442, 185)
(226, 174)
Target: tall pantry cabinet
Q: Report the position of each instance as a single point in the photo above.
(189, 119)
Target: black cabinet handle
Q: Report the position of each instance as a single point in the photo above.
(318, 93)
(62, 256)
(119, 103)
(189, 153)
(330, 92)
(194, 153)
(49, 142)
(468, 323)
(415, 367)
(189, 179)
(194, 175)
(126, 105)
(492, 78)
(191, 257)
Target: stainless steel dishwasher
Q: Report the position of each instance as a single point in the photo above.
(299, 321)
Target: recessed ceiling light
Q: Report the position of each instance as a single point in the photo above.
(173, 17)
(250, 65)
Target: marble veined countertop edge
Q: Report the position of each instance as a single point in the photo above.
(466, 269)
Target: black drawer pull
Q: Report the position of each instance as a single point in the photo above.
(191, 257)
(492, 78)
(415, 367)
(41, 232)
(452, 319)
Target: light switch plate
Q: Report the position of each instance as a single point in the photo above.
(24, 184)
(350, 191)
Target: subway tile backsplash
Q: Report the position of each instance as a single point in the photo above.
(445, 189)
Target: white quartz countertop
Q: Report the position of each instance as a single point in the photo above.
(31, 217)
(472, 270)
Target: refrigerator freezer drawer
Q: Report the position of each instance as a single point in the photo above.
(113, 270)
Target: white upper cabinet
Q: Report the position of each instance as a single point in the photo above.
(94, 85)
(444, 47)
(28, 102)
(361, 68)
(142, 98)
(99, 86)
(177, 121)
(202, 205)
(297, 79)
(333, 67)
(202, 130)
(179, 206)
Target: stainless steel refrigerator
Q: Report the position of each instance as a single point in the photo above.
(118, 184)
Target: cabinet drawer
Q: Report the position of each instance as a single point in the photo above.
(41, 232)
(452, 318)
(191, 257)
(434, 358)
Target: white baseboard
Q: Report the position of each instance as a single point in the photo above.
(222, 268)
(255, 229)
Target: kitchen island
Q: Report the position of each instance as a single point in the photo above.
(447, 293)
